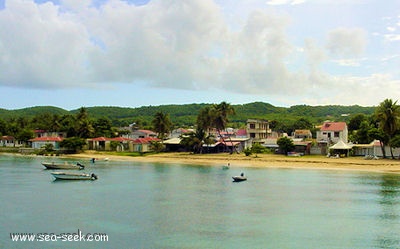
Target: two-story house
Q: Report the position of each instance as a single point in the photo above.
(332, 132)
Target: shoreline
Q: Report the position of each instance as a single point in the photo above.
(260, 161)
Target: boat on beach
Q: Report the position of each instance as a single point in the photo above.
(65, 165)
(74, 176)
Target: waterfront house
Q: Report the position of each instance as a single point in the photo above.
(302, 134)
(44, 133)
(332, 132)
(142, 144)
(9, 141)
(40, 142)
(140, 134)
(258, 130)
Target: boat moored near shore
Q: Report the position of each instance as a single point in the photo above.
(74, 176)
(65, 165)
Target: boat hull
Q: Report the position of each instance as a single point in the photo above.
(63, 166)
(239, 178)
(74, 176)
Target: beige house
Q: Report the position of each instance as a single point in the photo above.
(302, 134)
(258, 130)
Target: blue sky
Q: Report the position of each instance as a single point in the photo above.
(131, 53)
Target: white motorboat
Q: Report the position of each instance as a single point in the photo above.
(74, 176)
(65, 165)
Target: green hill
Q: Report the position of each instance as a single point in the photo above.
(185, 115)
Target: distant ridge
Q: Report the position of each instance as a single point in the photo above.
(186, 114)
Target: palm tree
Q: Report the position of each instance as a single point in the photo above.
(162, 125)
(205, 119)
(84, 127)
(388, 115)
(195, 140)
(222, 111)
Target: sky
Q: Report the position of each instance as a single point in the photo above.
(132, 53)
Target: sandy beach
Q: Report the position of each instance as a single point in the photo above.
(261, 161)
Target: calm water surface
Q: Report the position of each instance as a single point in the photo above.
(146, 205)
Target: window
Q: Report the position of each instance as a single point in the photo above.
(336, 134)
(252, 126)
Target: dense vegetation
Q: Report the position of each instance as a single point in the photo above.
(185, 115)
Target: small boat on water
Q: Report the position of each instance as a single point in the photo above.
(240, 178)
(226, 166)
(74, 176)
(64, 165)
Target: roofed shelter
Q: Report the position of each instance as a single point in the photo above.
(341, 147)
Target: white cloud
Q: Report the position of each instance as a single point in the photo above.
(392, 37)
(41, 47)
(284, 2)
(346, 42)
(177, 45)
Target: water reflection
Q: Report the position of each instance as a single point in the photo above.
(389, 197)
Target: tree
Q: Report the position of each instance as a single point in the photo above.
(67, 124)
(48, 148)
(3, 127)
(222, 111)
(156, 146)
(285, 144)
(84, 128)
(205, 119)
(220, 117)
(257, 148)
(379, 134)
(162, 124)
(194, 141)
(388, 115)
(24, 135)
(363, 133)
(395, 142)
(302, 124)
(355, 122)
(102, 128)
(74, 144)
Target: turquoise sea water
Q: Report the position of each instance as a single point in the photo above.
(146, 205)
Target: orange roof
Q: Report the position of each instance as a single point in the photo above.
(333, 126)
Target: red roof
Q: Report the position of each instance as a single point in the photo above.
(7, 138)
(99, 139)
(120, 139)
(333, 126)
(46, 139)
(147, 131)
(145, 140)
(241, 132)
(227, 143)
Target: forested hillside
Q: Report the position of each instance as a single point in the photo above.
(185, 115)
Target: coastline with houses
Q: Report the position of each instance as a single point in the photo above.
(331, 139)
(322, 151)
